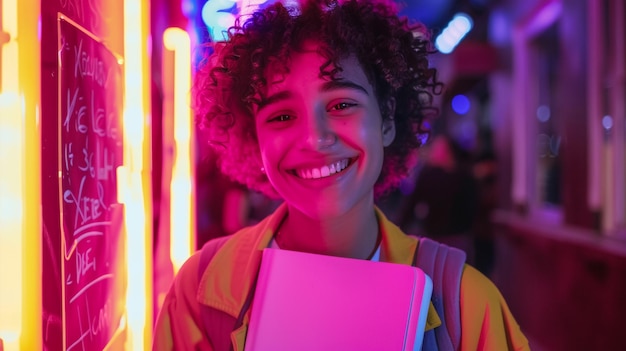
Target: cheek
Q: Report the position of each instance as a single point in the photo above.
(372, 139)
(370, 135)
(270, 146)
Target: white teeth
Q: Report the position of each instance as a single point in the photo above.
(316, 172)
(324, 171)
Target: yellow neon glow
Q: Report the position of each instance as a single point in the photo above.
(20, 224)
(182, 222)
(135, 176)
(11, 217)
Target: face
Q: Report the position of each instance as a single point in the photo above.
(322, 141)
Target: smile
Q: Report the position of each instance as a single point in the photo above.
(324, 171)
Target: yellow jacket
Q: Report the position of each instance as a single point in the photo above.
(486, 322)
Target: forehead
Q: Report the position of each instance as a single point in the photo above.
(310, 65)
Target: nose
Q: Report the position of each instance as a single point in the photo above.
(319, 133)
(326, 140)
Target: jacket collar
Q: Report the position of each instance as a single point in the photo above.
(230, 275)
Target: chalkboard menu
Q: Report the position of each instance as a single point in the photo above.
(90, 151)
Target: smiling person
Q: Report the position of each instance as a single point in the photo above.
(320, 106)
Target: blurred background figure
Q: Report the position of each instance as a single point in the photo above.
(444, 200)
(485, 170)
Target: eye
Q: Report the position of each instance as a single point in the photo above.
(342, 106)
(281, 118)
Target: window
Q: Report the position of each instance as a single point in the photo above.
(607, 96)
(536, 145)
(607, 43)
(545, 128)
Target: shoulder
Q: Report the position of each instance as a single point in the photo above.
(179, 302)
(179, 322)
(476, 287)
(485, 317)
(479, 295)
(186, 279)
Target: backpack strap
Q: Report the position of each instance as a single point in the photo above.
(217, 324)
(444, 264)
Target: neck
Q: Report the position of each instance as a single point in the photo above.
(353, 234)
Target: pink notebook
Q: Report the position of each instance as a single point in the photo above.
(314, 302)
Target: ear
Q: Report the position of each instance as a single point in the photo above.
(389, 124)
(389, 131)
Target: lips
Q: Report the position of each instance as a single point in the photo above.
(323, 171)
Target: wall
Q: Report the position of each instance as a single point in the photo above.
(565, 287)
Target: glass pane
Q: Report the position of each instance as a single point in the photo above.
(547, 134)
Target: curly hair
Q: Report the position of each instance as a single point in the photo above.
(392, 51)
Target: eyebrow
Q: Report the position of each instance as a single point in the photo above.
(281, 95)
(326, 87)
(342, 84)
